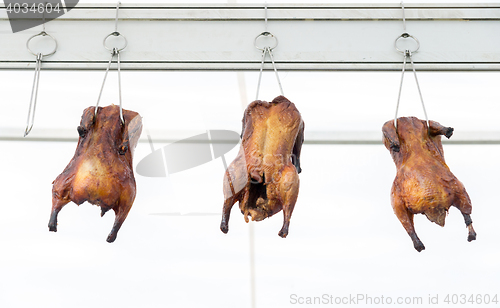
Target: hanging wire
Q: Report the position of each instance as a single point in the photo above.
(34, 95)
(419, 91)
(117, 53)
(404, 17)
(270, 52)
(43, 17)
(267, 50)
(120, 84)
(260, 73)
(36, 80)
(408, 54)
(116, 16)
(265, 18)
(114, 52)
(399, 94)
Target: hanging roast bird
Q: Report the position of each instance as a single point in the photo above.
(424, 184)
(101, 170)
(264, 176)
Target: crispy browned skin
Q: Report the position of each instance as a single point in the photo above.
(424, 184)
(101, 171)
(264, 176)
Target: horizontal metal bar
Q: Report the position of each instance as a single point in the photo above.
(313, 137)
(351, 37)
(238, 66)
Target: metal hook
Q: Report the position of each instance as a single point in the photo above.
(275, 70)
(102, 86)
(404, 18)
(34, 95)
(43, 16)
(399, 95)
(116, 17)
(265, 18)
(42, 33)
(419, 91)
(114, 52)
(405, 34)
(119, 85)
(115, 33)
(408, 54)
(270, 52)
(36, 79)
(117, 53)
(260, 73)
(265, 34)
(267, 50)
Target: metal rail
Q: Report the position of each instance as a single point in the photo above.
(453, 37)
(313, 137)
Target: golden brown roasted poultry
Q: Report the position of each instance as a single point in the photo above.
(264, 176)
(101, 171)
(424, 184)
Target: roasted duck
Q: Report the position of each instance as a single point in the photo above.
(264, 176)
(424, 184)
(101, 170)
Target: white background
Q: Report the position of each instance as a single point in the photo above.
(344, 239)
